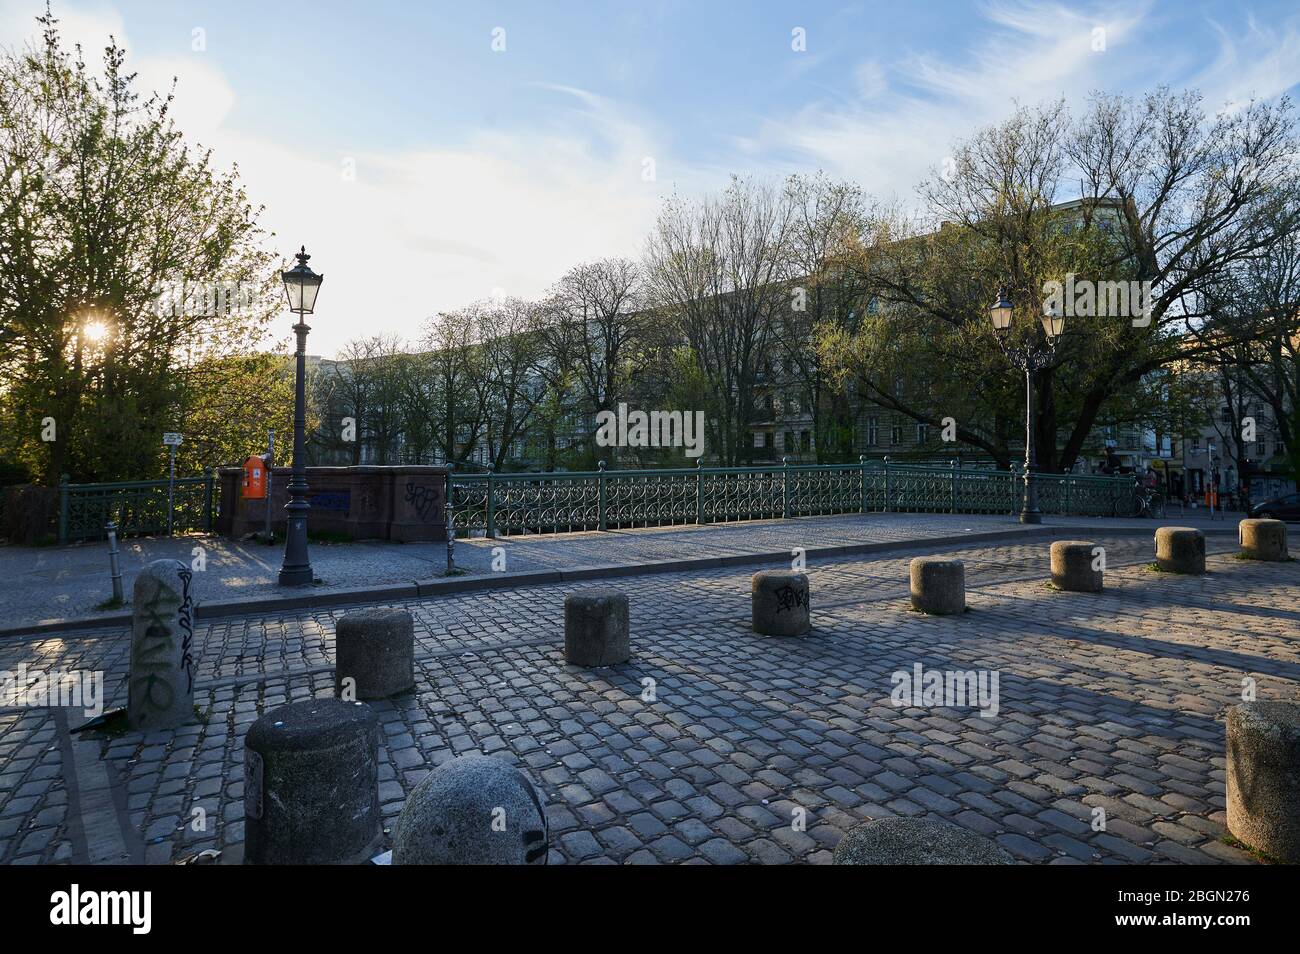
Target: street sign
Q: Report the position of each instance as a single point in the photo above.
(171, 441)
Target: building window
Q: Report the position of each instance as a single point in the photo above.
(805, 441)
(896, 434)
(787, 441)
(922, 432)
(873, 432)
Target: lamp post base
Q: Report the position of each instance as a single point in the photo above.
(1031, 516)
(296, 575)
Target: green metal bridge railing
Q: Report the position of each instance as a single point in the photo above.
(505, 504)
(559, 502)
(138, 507)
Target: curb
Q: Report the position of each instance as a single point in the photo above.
(447, 586)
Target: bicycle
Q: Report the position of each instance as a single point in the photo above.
(1149, 503)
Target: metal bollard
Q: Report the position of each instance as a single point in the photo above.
(114, 564)
(451, 527)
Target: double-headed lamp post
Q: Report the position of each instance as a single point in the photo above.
(301, 284)
(1030, 359)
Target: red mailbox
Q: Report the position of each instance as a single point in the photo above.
(255, 479)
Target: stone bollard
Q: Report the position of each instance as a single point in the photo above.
(596, 628)
(779, 603)
(938, 585)
(916, 841)
(1263, 777)
(161, 692)
(472, 810)
(1263, 540)
(311, 785)
(375, 649)
(1073, 566)
(1180, 550)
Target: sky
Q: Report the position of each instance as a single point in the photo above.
(436, 153)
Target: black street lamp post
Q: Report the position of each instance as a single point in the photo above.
(1030, 359)
(301, 284)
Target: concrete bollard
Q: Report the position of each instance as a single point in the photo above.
(472, 810)
(375, 650)
(161, 690)
(938, 585)
(311, 785)
(1263, 540)
(1073, 566)
(779, 603)
(596, 628)
(916, 841)
(1180, 550)
(1263, 777)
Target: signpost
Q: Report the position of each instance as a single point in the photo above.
(270, 462)
(171, 441)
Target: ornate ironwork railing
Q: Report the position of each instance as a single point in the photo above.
(560, 502)
(137, 506)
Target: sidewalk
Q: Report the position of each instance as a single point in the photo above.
(40, 586)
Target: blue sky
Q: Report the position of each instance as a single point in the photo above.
(394, 137)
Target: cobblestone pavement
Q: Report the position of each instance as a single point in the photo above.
(58, 583)
(1111, 701)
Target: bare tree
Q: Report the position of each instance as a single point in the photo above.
(716, 268)
(589, 328)
(509, 348)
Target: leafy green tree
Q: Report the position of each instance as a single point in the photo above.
(125, 259)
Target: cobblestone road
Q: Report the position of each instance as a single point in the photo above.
(1113, 701)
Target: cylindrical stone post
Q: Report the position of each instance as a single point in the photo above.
(472, 810)
(1075, 567)
(311, 785)
(160, 694)
(779, 603)
(1180, 550)
(374, 654)
(1263, 777)
(596, 628)
(1263, 540)
(916, 841)
(938, 585)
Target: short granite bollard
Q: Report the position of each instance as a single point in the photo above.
(311, 785)
(161, 690)
(375, 650)
(1263, 540)
(472, 810)
(779, 603)
(596, 628)
(916, 841)
(1075, 567)
(1180, 550)
(1263, 777)
(938, 585)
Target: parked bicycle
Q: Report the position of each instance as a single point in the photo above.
(1149, 503)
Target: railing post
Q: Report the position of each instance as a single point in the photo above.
(785, 487)
(209, 486)
(862, 481)
(699, 491)
(885, 508)
(490, 507)
(955, 476)
(63, 509)
(600, 480)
